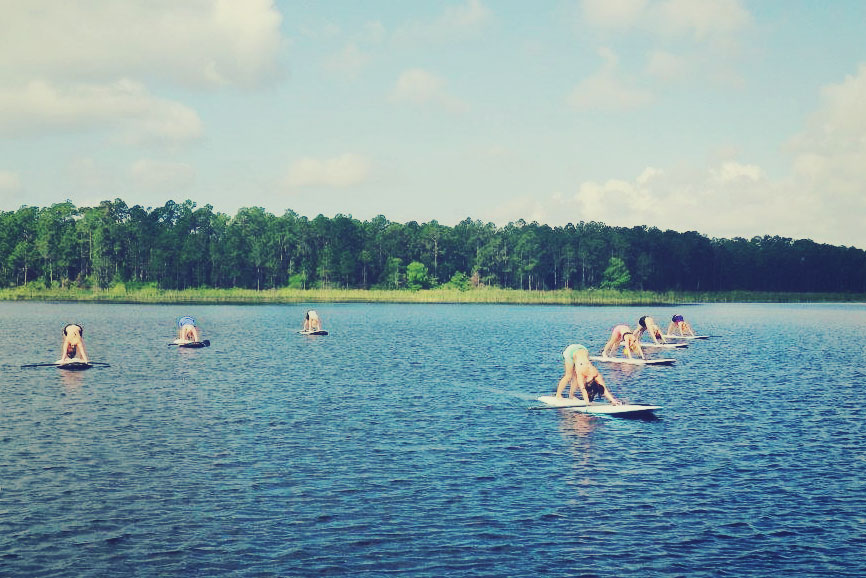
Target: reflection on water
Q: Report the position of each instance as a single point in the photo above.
(401, 443)
(576, 429)
(71, 379)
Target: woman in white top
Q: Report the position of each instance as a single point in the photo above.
(312, 321)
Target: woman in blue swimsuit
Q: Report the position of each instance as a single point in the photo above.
(681, 325)
(186, 329)
(582, 374)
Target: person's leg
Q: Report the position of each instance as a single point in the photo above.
(610, 345)
(567, 376)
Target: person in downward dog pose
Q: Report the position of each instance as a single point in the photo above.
(647, 324)
(312, 321)
(622, 334)
(186, 329)
(583, 375)
(681, 325)
(73, 345)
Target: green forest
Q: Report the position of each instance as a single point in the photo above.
(182, 246)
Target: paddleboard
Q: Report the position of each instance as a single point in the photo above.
(627, 361)
(319, 332)
(71, 365)
(598, 408)
(663, 345)
(192, 344)
(75, 366)
(686, 336)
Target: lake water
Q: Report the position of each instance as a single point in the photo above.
(402, 443)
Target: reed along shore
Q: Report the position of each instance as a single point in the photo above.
(122, 294)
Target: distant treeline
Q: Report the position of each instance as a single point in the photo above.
(179, 246)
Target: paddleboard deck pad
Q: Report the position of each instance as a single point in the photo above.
(627, 361)
(319, 332)
(580, 406)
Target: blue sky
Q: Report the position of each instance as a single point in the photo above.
(727, 117)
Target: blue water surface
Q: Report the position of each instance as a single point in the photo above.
(402, 443)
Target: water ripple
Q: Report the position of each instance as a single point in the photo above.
(401, 444)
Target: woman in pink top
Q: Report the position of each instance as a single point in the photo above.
(622, 334)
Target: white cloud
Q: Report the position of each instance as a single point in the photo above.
(680, 200)
(687, 37)
(455, 22)
(343, 171)
(823, 198)
(90, 65)
(613, 14)
(161, 175)
(420, 87)
(468, 15)
(829, 164)
(666, 65)
(731, 172)
(373, 33)
(728, 199)
(9, 182)
(39, 107)
(838, 127)
(700, 18)
(649, 174)
(349, 62)
(617, 199)
(197, 42)
(606, 90)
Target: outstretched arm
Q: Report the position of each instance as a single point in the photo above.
(580, 381)
(607, 347)
(81, 351)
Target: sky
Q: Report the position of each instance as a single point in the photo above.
(727, 117)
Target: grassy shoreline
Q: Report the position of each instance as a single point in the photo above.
(491, 295)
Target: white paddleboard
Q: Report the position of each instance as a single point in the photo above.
(633, 361)
(651, 345)
(597, 408)
(686, 336)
